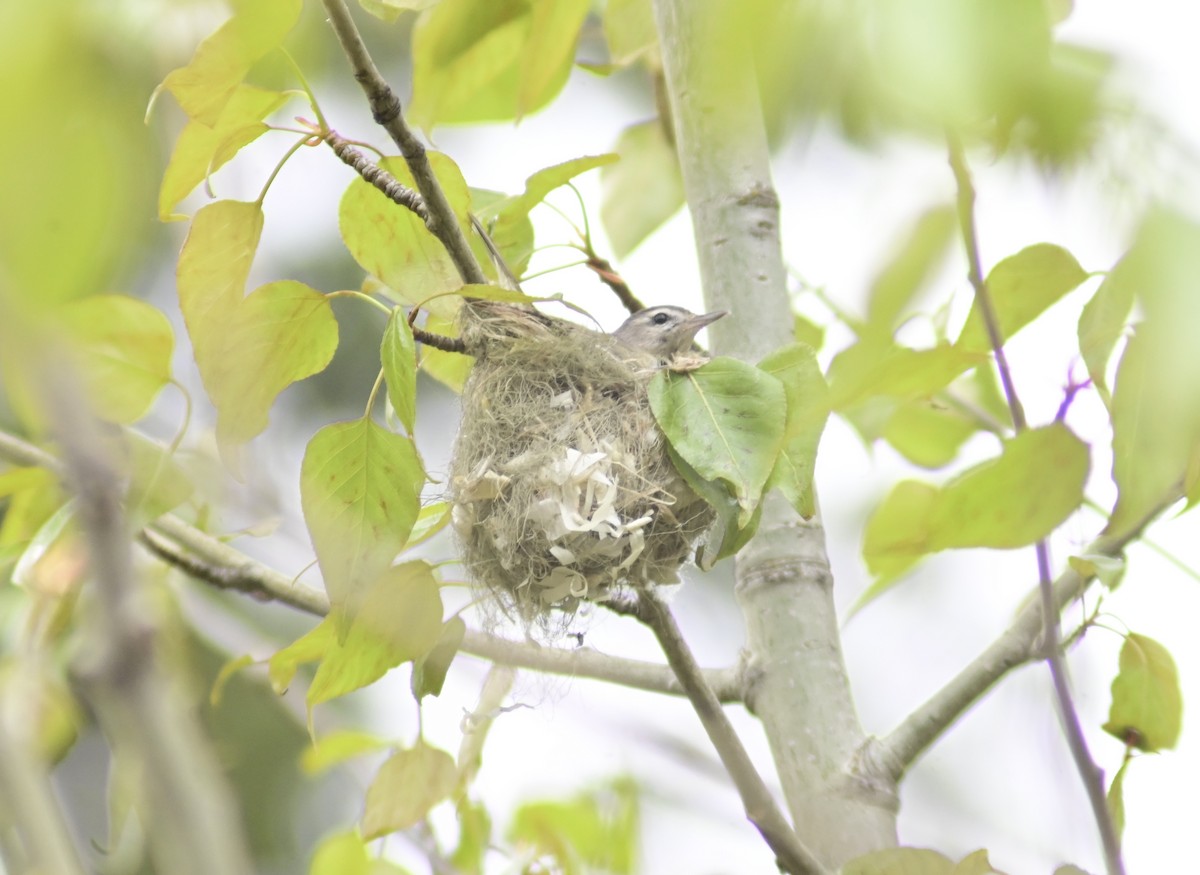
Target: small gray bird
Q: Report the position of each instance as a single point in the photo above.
(664, 331)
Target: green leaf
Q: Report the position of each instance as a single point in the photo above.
(872, 368)
(911, 266)
(807, 396)
(407, 786)
(248, 349)
(1102, 323)
(1115, 799)
(804, 330)
(123, 352)
(593, 831)
(641, 191)
(309, 647)
(726, 420)
(1021, 287)
(431, 520)
(1109, 570)
(342, 853)
(630, 30)
(221, 62)
(157, 481)
(336, 747)
(398, 353)
(23, 573)
(360, 488)
(514, 209)
(429, 672)
(976, 863)
(391, 243)
(927, 433)
(201, 149)
(1147, 703)
(727, 533)
(474, 837)
(1010, 501)
(488, 60)
(900, 861)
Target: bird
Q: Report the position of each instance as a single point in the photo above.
(664, 331)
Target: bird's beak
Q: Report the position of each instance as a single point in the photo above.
(697, 322)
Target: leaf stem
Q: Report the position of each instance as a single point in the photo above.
(374, 393)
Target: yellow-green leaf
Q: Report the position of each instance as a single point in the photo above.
(390, 10)
(248, 349)
(642, 190)
(429, 672)
(123, 350)
(157, 481)
(630, 30)
(511, 210)
(487, 60)
(431, 520)
(200, 149)
(871, 368)
(594, 831)
(927, 433)
(336, 747)
(1147, 703)
(360, 488)
(1013, 500)
(1115, 799)
(398, 353)
(392, 244)
(407, 786)
(341, 854)
(1102, 323)
(807, 396)
(726, 420)
(1109, 570)
(221, 62)
(1021, 287)
(976, 863)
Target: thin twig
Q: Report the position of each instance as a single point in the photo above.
(1089, 772)
(386, 109)
(604, 269)
(376, 176)
(437, 341)
(761, 809)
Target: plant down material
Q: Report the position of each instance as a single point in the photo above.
(561, 483)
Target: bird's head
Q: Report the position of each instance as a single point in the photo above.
(663, 331)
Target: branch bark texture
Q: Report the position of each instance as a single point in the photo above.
(801, 691)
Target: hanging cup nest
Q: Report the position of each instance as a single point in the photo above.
(561, 485)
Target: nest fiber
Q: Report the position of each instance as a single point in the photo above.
(561, 484)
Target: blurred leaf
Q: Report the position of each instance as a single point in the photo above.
(391, 243)
(1155, 407)
(630, 30)
(221, 62)
(871, 368)
(927, 433)
(1021, 287)
(1115, 799)
(248, 349)
(1013, 500)
(334, 748)
(1109, 570)
(201, 149)
(309, 647)
(474, 837)
(642, 190)
(726, 420)
(227, 671)
(1147, 703)
(593, 831)
(158, 483)
(512, 210)
(513, 239)
(431, 520)
(360, 489)
(342, 853)
(76, 190)
(390, 10)
(39, 545)
(429, 672)
(909, 268)
(497, 684)
(900, 861)
(976, 863)
(123, 351)
(34, 496)
(807, 397)
(804, 330)
(1102, 323)
(407, 786)
(488, 60)
(398, 353)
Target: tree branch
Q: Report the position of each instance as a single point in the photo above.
(892, 755)
(385, 106)
(190, 814)
(801, 691)
(376, 176)
(1089, 772)
(212, 561)
(760, 806)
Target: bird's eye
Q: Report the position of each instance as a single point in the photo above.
(660, 318)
